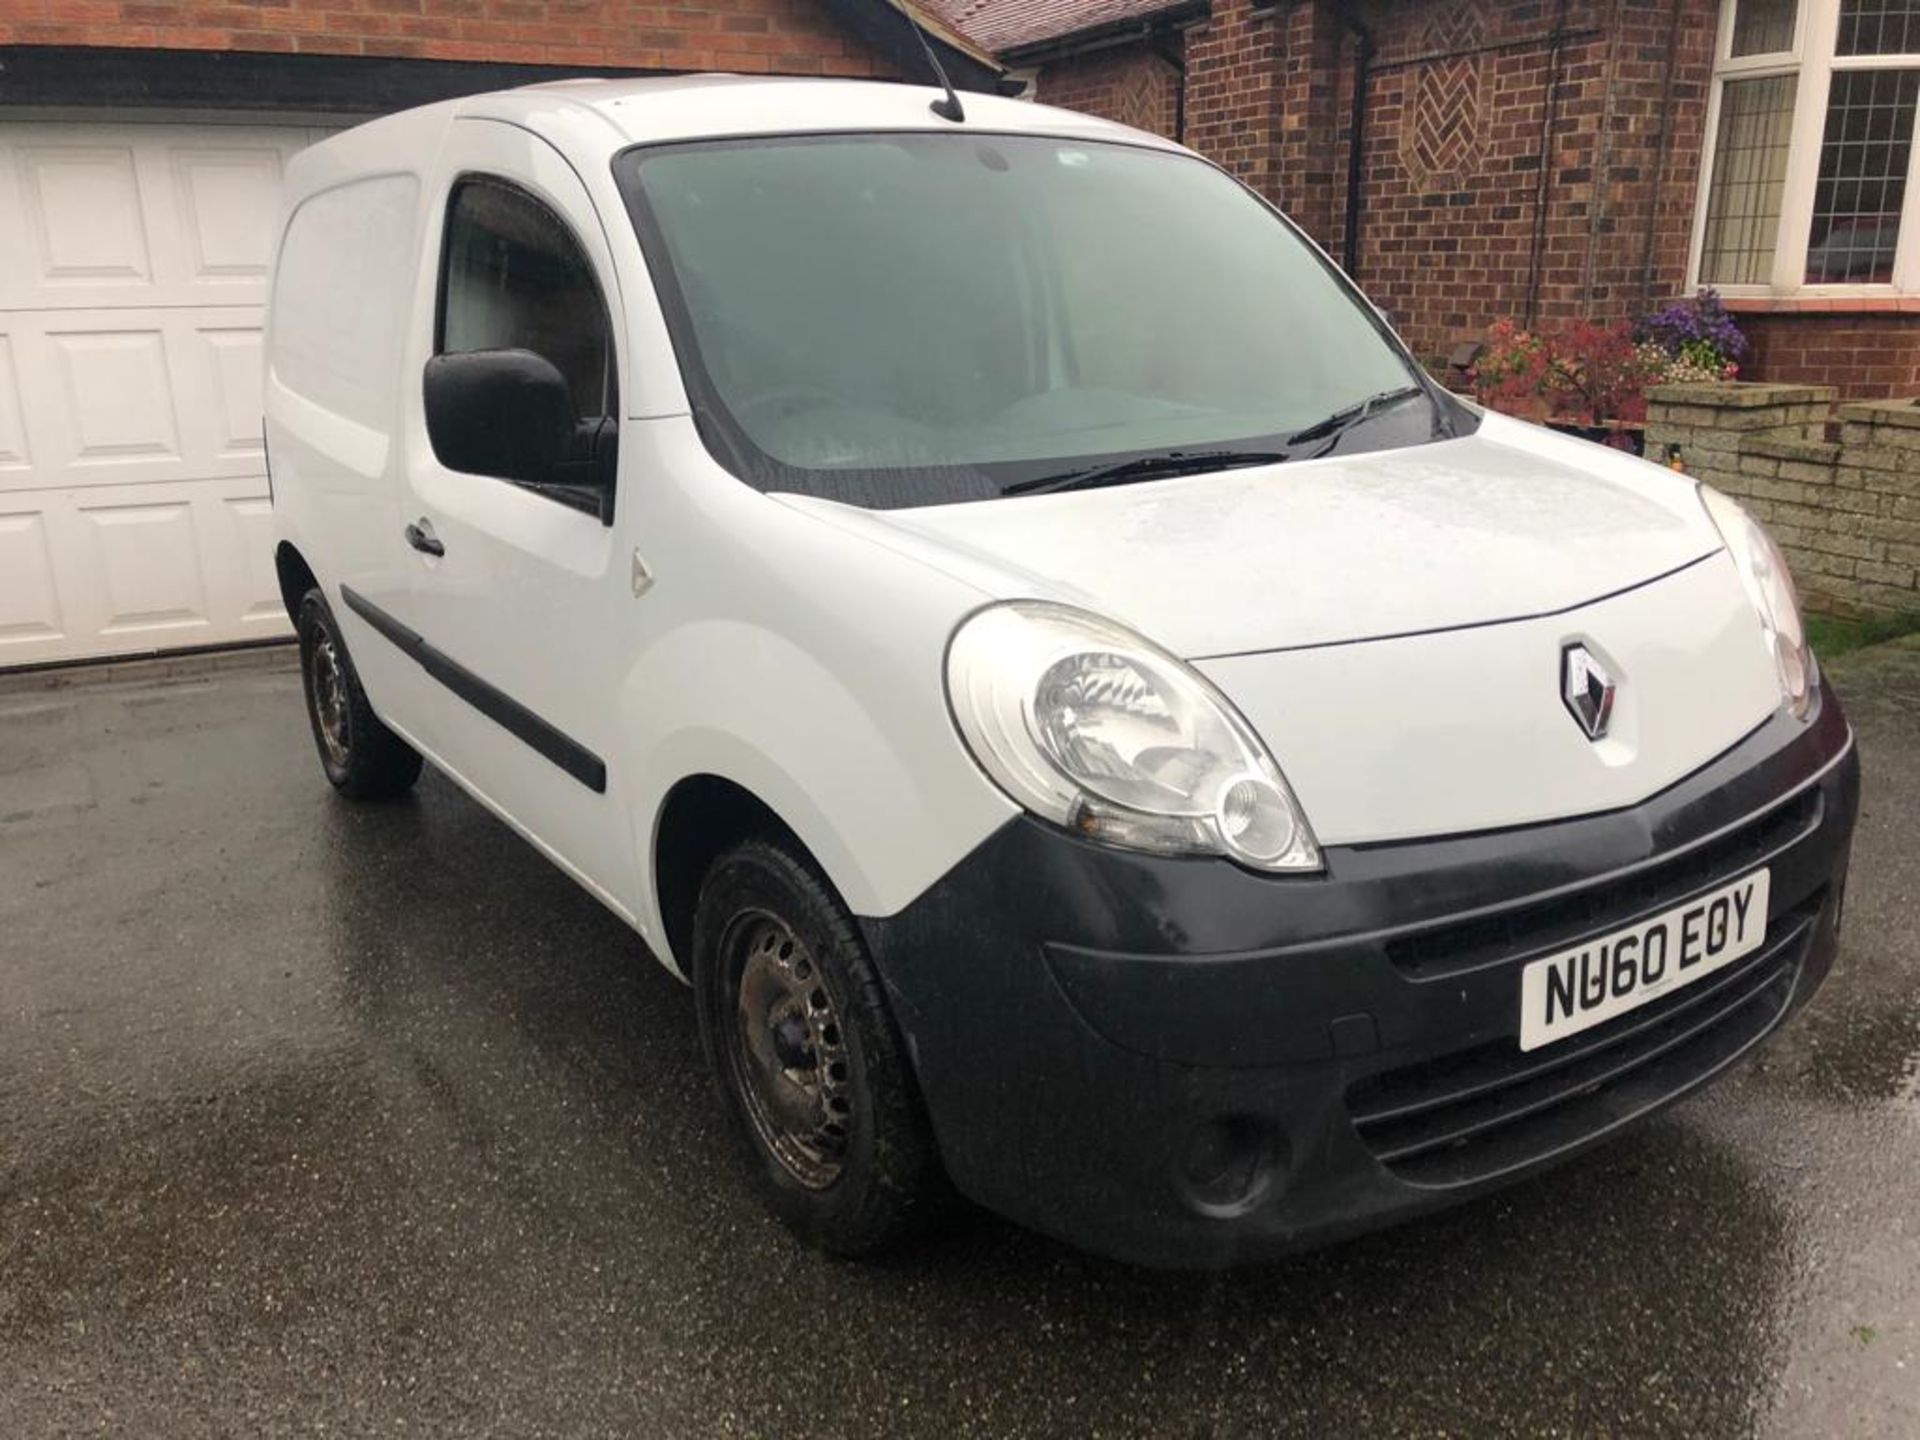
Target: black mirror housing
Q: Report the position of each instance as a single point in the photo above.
(504, 413)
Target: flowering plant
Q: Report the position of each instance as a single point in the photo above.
(1688, 368)
(1602, 374)
(1698, 337)
(1513, 367)
(1584, 372)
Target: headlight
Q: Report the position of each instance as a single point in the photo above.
(1090, 726)
(1763, 570)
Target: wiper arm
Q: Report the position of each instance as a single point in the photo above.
(1182, 462)
(1341, 421)
(1145, 467)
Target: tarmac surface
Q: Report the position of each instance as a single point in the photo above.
(318, 1118)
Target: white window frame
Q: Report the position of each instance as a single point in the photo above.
(1816, 31)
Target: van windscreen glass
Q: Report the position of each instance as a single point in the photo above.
(918, 318)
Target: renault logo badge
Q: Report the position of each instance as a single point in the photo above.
(1588, 690)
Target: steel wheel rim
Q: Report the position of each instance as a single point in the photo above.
(330, 698)
(786, 1049)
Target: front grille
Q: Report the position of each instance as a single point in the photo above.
(1539, 926)
(1482, 1112)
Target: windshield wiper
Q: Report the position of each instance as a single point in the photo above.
(1183, 462)
(1341, 421)
(1145, 467)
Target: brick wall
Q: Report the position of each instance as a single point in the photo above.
(1846, 511)
(1506, 175)
(1133, 84)
(785, 36)
(1232, 110)
(1866, 356)
(1309, 161)
(1503, 175)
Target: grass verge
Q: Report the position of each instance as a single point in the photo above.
(1833, 636)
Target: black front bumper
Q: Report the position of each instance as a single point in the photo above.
(1181, 1062)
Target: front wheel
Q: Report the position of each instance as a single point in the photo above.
(362, 758)
(806, 1057)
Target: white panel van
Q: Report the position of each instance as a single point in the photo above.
(1098, 728)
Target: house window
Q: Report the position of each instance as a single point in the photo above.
(1763, 27)
(1749, 167)
(1810, 155)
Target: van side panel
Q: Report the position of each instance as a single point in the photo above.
(805, 664)
(770, 647)
(337, 317)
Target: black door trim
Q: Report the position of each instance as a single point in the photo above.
(498, 706)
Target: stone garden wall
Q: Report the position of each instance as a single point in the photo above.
(1838, 487)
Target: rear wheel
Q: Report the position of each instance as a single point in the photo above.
(805, 1055)
(362, 758)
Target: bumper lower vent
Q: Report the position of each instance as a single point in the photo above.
(1477, 1114)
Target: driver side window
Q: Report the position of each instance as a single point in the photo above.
(513, 277)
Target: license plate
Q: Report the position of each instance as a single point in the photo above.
(1590, 984)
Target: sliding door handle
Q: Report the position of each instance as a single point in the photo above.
(421, 537)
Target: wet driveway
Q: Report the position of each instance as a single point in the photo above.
(316, 1118)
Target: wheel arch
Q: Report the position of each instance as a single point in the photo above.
(295, 575)
(700, 818)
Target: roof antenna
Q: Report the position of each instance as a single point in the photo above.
(947, 108)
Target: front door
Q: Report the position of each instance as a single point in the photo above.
(518, 597)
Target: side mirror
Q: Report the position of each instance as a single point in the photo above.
(504, 413)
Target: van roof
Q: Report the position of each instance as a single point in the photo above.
(589, 121)
(688, 107)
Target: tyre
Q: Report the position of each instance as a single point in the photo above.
(806, 1057)
(363, 758)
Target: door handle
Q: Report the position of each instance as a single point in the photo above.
(421, 537)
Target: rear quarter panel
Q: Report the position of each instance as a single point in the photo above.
(347, 254)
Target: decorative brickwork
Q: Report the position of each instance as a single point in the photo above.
(1522, 158)
(1513, 167)
(1573, 193)
(1440, 136)
(1847, 512)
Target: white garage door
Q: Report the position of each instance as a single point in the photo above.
(133, 496)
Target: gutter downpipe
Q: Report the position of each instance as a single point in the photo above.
(1543, 188)
(1356, 134)
(1173, 51)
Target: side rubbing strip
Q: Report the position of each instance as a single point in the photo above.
(498, 706)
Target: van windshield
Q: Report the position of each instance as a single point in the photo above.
(920, 318)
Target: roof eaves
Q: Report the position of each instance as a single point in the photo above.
(1062, 43)
(942, 32)
(883, 25)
